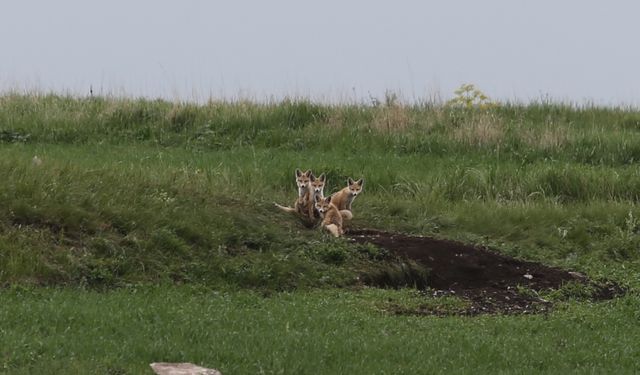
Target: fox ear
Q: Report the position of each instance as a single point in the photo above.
(298, 172)
(323, 177)
(328, 199)
(350, 181)
(308, 173)
(360, 182)
(313, 178)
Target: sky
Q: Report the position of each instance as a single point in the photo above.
(513, 50)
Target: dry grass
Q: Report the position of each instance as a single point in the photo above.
(383, 118)
(336, 120)
(480, 129)
(393, 117)
(549, 138)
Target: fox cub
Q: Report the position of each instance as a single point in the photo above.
(313, 207)
(303, 180)
(345, 197)
(317, 192)
(331, 216)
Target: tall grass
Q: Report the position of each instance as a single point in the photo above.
(537, 131)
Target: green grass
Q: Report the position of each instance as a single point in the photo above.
(329, 331)
(109, 206)
(132, 193)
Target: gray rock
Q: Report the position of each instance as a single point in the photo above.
(164, 368)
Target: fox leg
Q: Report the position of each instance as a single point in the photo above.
(334, 230)
(312, 208)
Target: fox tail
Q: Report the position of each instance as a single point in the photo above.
(346, 214)
(284, 208)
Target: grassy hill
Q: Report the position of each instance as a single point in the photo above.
(126, 191)
(159, 213)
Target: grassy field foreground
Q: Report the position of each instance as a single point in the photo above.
(108, 205)
(328, 332)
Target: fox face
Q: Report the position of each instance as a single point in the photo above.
(355, 187)
(303, 179)
(317, 184)
(323, 205)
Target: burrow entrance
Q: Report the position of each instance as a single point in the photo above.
(492, 282)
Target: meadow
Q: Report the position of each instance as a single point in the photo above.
(137, 230)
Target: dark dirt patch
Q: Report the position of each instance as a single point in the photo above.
(492, 282)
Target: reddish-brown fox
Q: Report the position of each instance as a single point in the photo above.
(303, 205)
(345, 197)
(331, 216)
(317, 191)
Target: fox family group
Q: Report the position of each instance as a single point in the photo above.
(313, 208)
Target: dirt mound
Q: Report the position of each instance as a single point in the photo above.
(492, 282)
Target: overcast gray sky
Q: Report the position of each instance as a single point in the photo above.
(567, 50)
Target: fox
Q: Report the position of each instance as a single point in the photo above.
(331, 216)
(317, 191)
(303, 180)
(303, 205)
(345, 197)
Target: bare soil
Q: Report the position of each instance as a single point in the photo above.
(491, 282)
